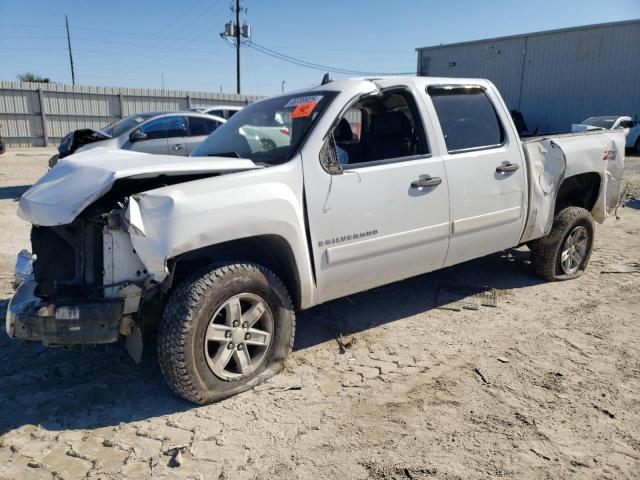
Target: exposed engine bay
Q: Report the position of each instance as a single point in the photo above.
(89, 285)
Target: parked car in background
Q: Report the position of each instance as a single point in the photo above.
(267, 132)
(264, 133)
(165, 133)
(224, 111)
(631, 128)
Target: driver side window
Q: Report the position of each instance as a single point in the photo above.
(467, 118)
(380, 129)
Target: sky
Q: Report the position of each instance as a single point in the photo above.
(145, 42)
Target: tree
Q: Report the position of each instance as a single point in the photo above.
(32, 77)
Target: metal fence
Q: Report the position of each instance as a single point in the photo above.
(41, 114)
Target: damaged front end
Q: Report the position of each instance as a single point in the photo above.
(87, 283)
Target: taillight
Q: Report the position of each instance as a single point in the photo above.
(284, 131)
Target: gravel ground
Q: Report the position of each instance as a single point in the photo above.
(403, 401)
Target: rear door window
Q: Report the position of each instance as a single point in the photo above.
(467, 118)
(199, 126)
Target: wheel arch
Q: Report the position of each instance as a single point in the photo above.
(271, 251)
(581, 190)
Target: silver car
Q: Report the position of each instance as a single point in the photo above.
(165, 133)
(224, 111)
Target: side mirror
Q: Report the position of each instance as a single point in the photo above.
(137, 135)
(329, 157)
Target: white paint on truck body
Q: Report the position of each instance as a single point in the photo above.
(181, 218)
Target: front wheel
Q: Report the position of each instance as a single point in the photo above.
(225, 331)
(565, 252)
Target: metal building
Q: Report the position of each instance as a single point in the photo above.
(555, 78)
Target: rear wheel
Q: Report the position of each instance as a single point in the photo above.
(225, 331)
(565, 252)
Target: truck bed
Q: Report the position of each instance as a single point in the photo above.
(553, 158)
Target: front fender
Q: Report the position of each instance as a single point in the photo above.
(177, 219)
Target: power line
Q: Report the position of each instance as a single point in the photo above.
(316, 66)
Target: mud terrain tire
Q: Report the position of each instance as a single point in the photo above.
(546, 254)
(185, 356)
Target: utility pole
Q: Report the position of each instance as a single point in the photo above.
(237, 46)
(283, 82)
(73, 72)
(233, 29)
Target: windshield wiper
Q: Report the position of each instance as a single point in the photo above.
(225, 154)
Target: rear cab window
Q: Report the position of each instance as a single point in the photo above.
(467, 117)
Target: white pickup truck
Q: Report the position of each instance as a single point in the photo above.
(381, 179)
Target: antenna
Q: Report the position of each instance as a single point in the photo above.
(73, 72)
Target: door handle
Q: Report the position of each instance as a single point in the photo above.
(507, 167)
(178, 146)
(426, 182)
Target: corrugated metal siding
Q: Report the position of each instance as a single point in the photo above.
(208, 102)
(139, 104)
(69, 108)
(499, 61)
(21, 126)
(60, 125)
(19, 101)
(555, 78)
(81, 104)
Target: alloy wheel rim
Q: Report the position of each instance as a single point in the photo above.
(574, 250)
(238, 336)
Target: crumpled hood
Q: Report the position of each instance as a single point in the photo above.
(77, 181)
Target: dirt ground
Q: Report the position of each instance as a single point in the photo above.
(403, 401)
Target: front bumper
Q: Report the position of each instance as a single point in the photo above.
(68, 321)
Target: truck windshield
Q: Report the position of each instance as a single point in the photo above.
(268, 131)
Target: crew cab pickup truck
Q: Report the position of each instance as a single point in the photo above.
(381, 179)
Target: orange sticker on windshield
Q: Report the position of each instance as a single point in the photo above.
(303, 109)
